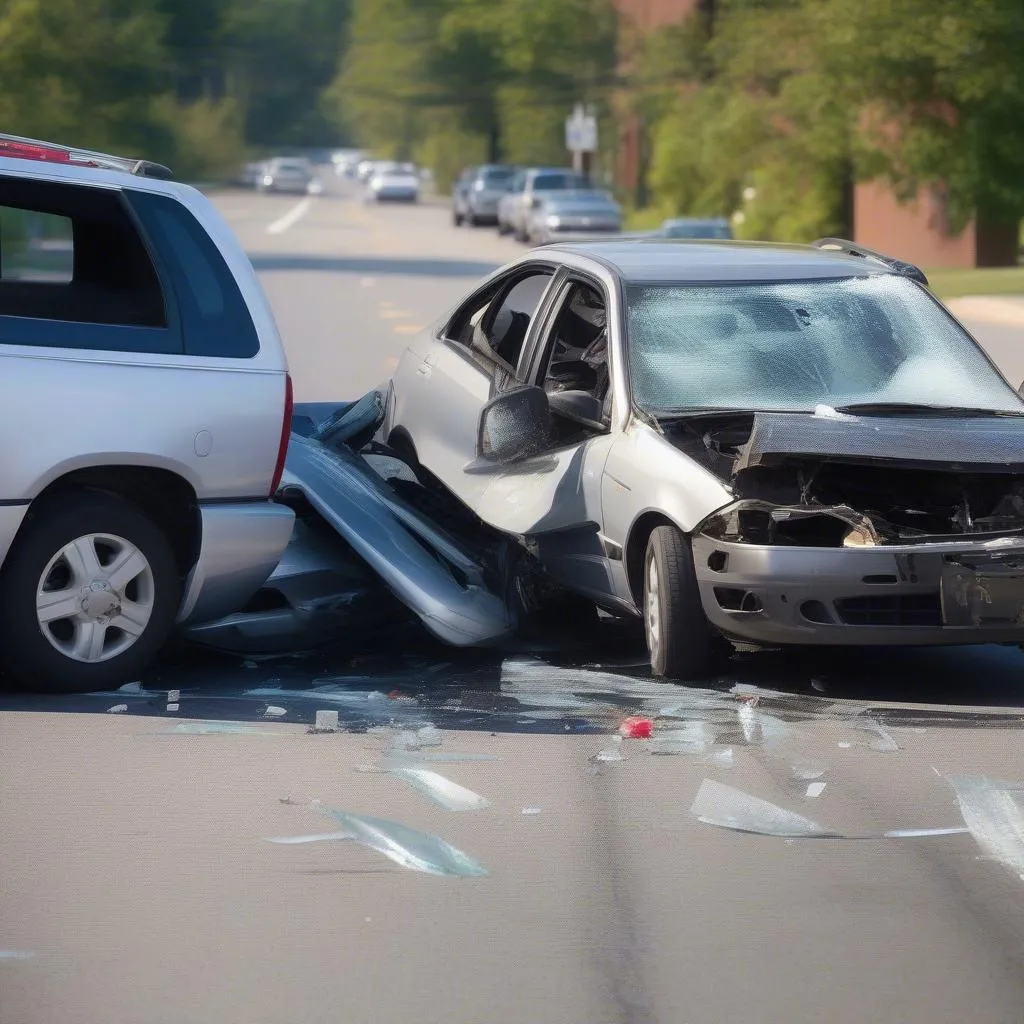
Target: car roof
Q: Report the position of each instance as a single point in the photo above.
(666, 260)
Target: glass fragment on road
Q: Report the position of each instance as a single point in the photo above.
(689, 738)
(117, 709)
(445, 793)
(16, 954)
(915, 833)
(814, 789)
(612, 752)
(531, 810)
(318, 837)
(212, 728)
(325, 721)
(992, 812)
(429, 736)
(882, 738)
(272, 711)
(726, 807)
(408, 847)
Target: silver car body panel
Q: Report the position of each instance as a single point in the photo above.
(213, 421)
(434, 575)
(241, 546)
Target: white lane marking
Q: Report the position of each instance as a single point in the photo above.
(292, 217)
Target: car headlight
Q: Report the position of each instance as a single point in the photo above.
(858, 537)
(554, 222)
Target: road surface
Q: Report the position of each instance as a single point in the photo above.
(140, 888)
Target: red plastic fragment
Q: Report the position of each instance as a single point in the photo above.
(635, 728)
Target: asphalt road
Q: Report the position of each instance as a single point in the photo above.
(139, 887)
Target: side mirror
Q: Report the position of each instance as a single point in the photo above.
(514, 425)
(579, 407)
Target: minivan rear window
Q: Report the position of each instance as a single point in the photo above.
(215, 317)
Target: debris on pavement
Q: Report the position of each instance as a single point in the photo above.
(173, 696)
(407, 847)
(992, 813)
(613, 752)
(815, 789)
(637, 728)
(689, 738)
(249, 664)
(117, 709)
(213, 728)
(531, 810)
(16, 954)
(429, 736)
(447, 794)
(173, 707)
(883, 740)
(726, 807)
(132, 688)
(272, 711)
(326, 721)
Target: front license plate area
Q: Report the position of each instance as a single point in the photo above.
(987, 593)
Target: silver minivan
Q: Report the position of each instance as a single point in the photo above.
(145, 405)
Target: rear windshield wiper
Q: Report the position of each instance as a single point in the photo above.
(918, 409)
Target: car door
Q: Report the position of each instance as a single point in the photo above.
(554, 498)
(442, 386)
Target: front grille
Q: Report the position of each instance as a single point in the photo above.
(890, 610)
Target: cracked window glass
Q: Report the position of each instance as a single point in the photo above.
(790, 346)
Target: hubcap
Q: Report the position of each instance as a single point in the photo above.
(95, 597)
(652, 609)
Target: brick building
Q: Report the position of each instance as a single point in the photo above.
(917, 231)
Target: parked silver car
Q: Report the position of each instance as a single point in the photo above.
(575, 212)
(146, 403)
(477, 192)
(760, 443)
(515, 205)
(287, 174)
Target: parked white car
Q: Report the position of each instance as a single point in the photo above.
(146, 403)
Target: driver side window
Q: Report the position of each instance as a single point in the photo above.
(506, 326)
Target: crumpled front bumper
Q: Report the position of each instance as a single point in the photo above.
(957, 592)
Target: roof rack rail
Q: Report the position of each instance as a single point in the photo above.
(848, 248)
(19, 148)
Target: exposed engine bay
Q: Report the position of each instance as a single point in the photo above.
(898, 481)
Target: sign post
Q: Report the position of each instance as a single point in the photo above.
(581, 138)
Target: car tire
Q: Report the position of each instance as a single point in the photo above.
(682, 643)
(87, 650)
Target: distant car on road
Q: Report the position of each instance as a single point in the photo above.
(250, 174)
(476, 194)
(695, 227)
(584, 212)
(514, 206)
(132, 321)
(287, 174)
(394, 182)
(765, 444)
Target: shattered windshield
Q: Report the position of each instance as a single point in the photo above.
(796, 345)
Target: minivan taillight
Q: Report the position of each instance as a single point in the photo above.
(286, 430)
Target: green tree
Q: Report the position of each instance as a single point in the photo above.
(939, 87)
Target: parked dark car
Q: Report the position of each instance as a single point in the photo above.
(477, 192)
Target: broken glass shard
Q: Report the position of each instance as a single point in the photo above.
(319, 837)
(211, 728)
(726, 807)
(991, 811)
(429, 736)
(409, 848)
(882, 740)
(16, 954)
(441, 790)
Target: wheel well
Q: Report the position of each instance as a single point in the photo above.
(636, 546)
(165, 498)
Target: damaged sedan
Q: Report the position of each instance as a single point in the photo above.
(734, 442)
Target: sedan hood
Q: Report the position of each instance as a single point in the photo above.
(994, 442)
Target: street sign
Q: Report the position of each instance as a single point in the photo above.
(581, 132)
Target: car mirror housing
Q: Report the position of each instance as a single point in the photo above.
(514, 425)
(579, 407)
